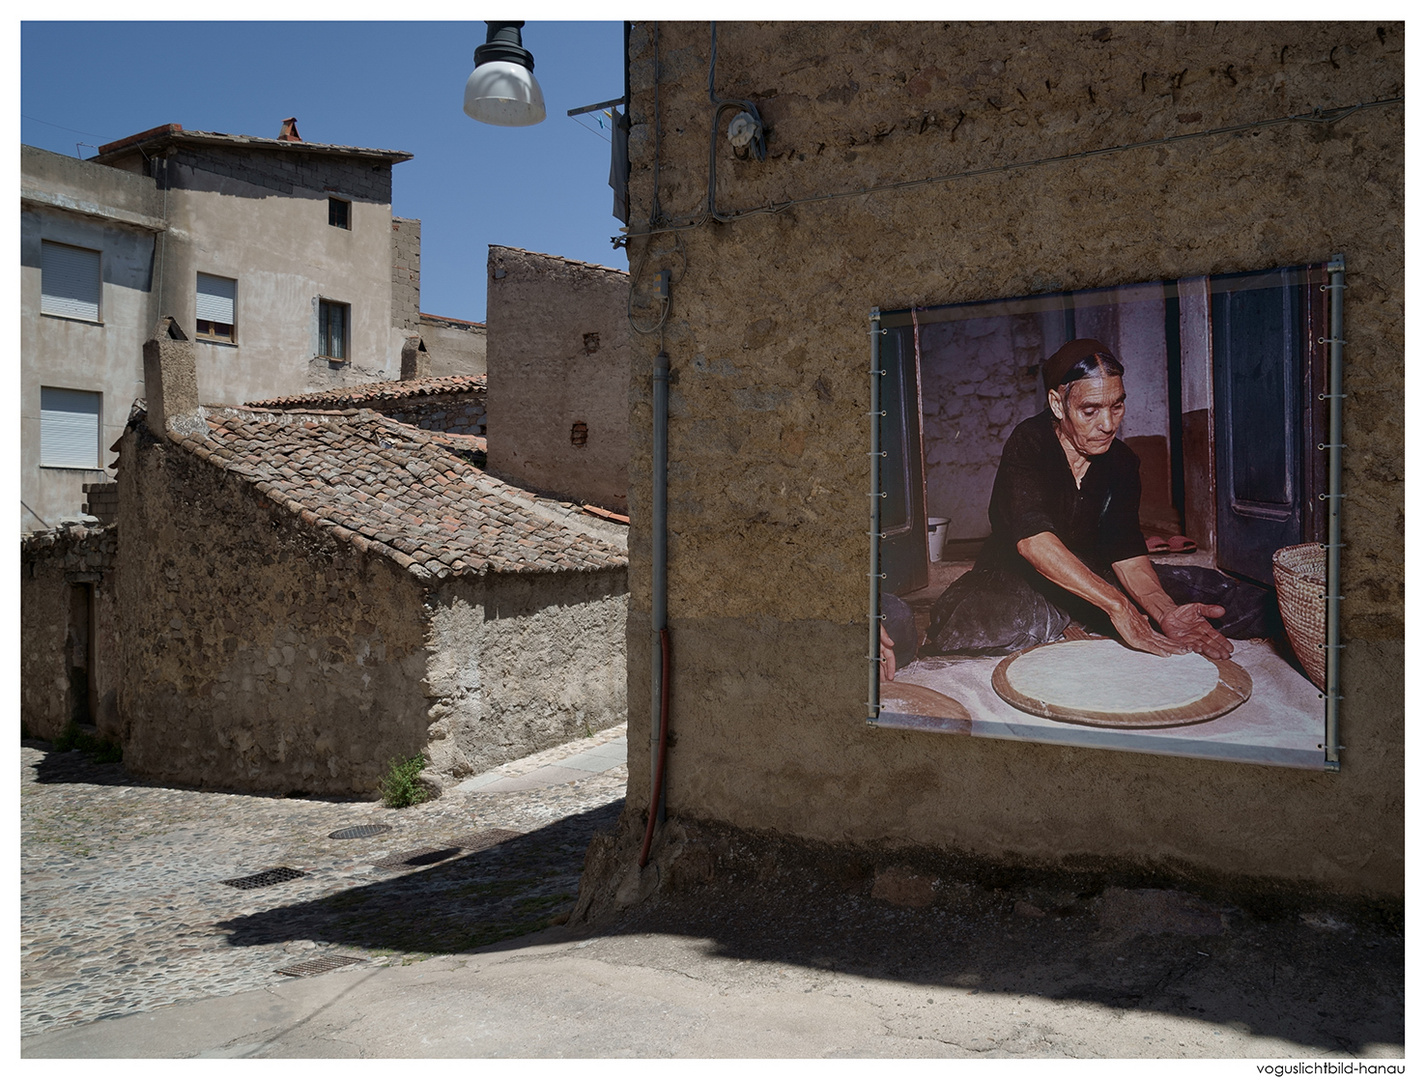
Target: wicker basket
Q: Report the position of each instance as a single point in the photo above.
(1300, 573)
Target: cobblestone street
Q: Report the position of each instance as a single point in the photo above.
(125, 909)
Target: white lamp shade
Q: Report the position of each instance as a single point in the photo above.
(505, 94)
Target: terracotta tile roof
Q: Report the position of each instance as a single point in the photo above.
(561, 258)
(426, 315)
(348, 397)
(408, 494)
(173, 134)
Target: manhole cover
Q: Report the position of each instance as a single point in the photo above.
(423, 857)
(275, 876)
(488, 838)
(319, 965)
(356, 832)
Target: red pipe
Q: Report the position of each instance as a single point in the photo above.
(665, 649)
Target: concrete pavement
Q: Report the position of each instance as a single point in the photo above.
(651, 995)
(134, 946)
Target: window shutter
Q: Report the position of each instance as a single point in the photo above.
(69, 281)
(217, 299)
(69, 428)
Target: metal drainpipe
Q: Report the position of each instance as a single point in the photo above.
(659, 600)
(1335, 271)
(873, 693)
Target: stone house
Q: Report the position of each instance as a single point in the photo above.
(558, 369)
(69, 630)
(908, 166)
(282, 255)
(306, 595)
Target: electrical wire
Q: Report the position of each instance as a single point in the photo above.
(592, 131)
(61, 127)
(1317, 116)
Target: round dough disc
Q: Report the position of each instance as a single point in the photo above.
(1105, 676)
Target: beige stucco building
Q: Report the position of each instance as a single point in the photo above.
(558, 375)
(281, 256)
(914, 165)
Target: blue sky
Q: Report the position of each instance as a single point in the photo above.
(389, 85)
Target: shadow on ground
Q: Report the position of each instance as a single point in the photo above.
(447, 902)
(1271, 963)
(1308, 972)
(79, 767)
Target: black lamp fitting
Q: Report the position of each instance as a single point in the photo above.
(502, 42)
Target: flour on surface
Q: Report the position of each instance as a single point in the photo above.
(1105, 676)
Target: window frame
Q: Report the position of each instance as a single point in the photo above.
(214, 334)
(325, 308)
(345, 214)
(98, 414)
(98, 317)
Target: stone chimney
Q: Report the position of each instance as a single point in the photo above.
(171, 382)
(415, 360)
(289, 131)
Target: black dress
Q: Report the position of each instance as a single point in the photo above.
(1004, 604)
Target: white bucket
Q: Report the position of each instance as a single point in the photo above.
(936, 536)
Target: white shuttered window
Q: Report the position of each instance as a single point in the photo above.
(217, 307)
(69, 428)
(69, 281)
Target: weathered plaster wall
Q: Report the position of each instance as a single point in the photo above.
(54, 566)
(767, 335)
(453, 346)
(258, 652)
(520, 662)
(261, 219)
(558, 355)
(117, 214)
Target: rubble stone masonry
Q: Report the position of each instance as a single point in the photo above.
(68, 630)
(768, 430)
(259, 653)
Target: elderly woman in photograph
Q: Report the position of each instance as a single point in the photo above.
(1065, 544)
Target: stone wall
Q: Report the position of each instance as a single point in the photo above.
(406, 275)
(453, 346)
(979, 378)
(68, 630)
(767, 339)
(463, 414)
(521, 662)
(102, 501)
(259, 653)
(558, 371)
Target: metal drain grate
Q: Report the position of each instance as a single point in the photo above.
(276, 876)
(488, 838)
(357, 832)
(319, 966)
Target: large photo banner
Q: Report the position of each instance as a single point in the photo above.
(1101, 517)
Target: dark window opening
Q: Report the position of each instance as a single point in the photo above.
(339, 213)
(333, 320)
(208, 328)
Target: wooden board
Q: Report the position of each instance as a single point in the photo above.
(1234, 687)
(913, 700)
